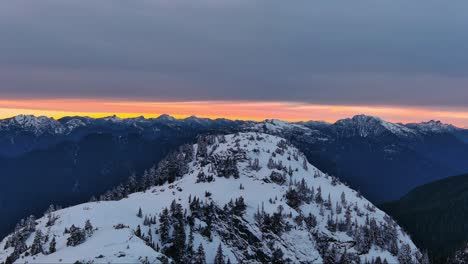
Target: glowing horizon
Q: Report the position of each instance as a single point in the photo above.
(240, 110)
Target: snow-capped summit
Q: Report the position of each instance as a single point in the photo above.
(198, 120)
(365, 126)
(166, 117)
(276, 126)
(246, 197)
(30, 123)
(432, 126)
(74, 123)
(113, 119)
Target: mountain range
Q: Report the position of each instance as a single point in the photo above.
(66, 161)
(243, 197)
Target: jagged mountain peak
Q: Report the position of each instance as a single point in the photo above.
(112, 118)
(31, 120)
(277, 126)
(364, 126)
(31, 123)
(166, 117)
(433, 126)
(252, 194)
(198, 120)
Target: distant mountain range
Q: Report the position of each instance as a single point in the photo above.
(436, 215)
(384, 160)
(236, 198)
(24, 133)
(66, 161)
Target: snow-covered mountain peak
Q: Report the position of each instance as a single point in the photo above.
(247, 197)
(364, 126)
(198, 120)
(37, 125)
(433, 126)
(74, 123)
(113, 118)
(166, 117)
(277, 126)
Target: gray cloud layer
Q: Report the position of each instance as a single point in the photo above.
(321, 51)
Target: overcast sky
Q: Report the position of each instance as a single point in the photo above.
(371, 52)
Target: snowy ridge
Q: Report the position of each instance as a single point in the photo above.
(433, 127)
(359, 125)
(251, 194)
(276, 125)
(37, 125)
(364, 126)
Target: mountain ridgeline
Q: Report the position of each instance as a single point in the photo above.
(244, 197)
(45, 161)
(65, 162)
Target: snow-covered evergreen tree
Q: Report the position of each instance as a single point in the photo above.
(200, 257)
(77, 236)
(164, 225)
(219, 258)
(37, 244)
(52, 246)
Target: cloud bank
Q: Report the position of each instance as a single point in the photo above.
(328, 52)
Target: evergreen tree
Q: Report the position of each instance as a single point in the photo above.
(310, 221)
(404, 254)
(200, 256)
(318, 196)
(36, 246)
(219, 258)
(239, 206)
(77, 236)
(343, 199)
(152, 176)
(304, 164)
(145, 181)
(179, 240)
(138, 231)
(88, 227)
(132, 184)
(293, 198)
(277, 221)
(363, 242)
(164, 225)
(348, 219)
(338, 208)
(30, 224)
(189, 252)
(140, 213)
(271, 164)
(52, 245)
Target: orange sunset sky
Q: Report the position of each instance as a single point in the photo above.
(290, 111)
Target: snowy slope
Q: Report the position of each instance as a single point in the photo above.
(280, 190)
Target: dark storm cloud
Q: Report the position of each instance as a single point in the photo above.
(346, 52)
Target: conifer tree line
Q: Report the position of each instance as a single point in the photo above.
(175, 165)
(42, 243)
